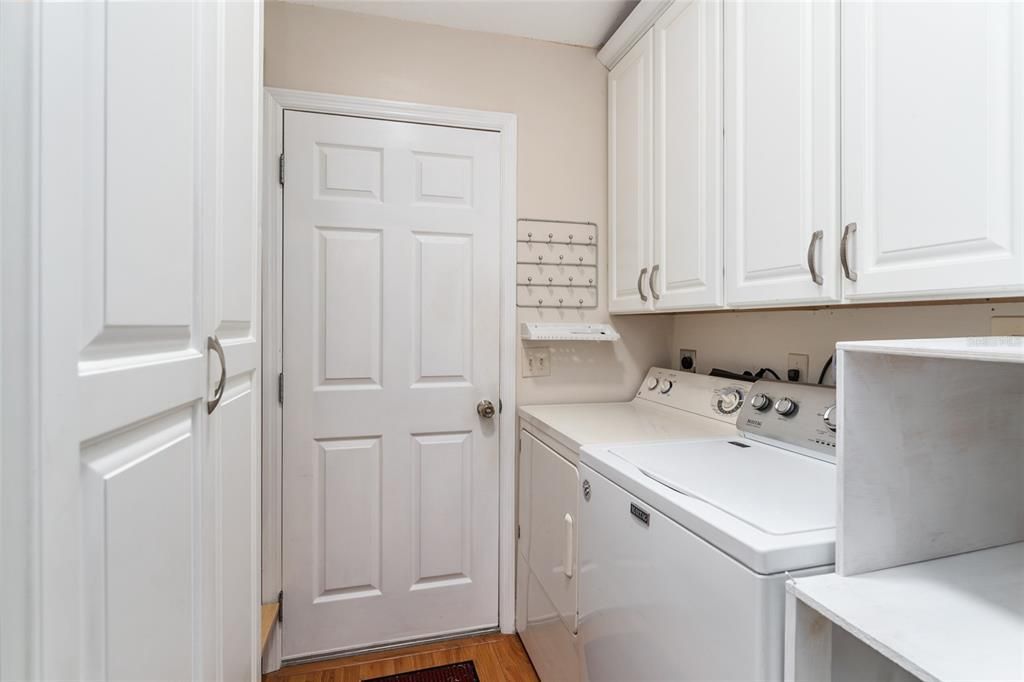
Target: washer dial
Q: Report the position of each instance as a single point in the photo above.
(727, 400)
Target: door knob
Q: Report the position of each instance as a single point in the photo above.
(485, 408)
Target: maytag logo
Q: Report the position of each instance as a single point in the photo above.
(753, 422)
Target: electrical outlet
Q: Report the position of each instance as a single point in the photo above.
(1008, 326)
(687, 360)
(538, 362)
(800, 363)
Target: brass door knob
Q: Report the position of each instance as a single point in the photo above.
(485, 408)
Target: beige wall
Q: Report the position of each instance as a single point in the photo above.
(751, 340)
(559, 96)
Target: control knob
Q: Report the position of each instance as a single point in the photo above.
(652, 383)
(785, 406)
(730, 401)
(829, 417)
(760, 402)
(666, 386)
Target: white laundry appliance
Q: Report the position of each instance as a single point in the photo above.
(686, 545)
(668, 406)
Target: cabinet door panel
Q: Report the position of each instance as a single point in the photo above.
(932, 148)
(781, 152)
(687, 241)
(629, 178)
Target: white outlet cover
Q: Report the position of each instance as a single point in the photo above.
(800, 362)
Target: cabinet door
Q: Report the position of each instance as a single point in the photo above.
(630, 130)
(781, 153)
(687, 264)
(933, 149)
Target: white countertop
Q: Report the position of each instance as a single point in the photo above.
(983, 348)
(955, 618)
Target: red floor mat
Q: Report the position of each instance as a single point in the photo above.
(453, 672)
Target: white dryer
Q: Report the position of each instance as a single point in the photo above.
(668, 406)
(686, 545)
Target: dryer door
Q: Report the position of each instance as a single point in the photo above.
(553, 535)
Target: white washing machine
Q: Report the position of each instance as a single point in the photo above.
(668, 406)
(686, 545)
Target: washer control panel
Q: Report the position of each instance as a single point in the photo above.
(709, 396)
(798, 414)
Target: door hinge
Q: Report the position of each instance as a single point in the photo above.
(280, 169)
(280, 388)
(280, 606)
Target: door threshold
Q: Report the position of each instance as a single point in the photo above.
(344, 653)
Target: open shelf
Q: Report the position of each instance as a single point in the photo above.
(955, 618)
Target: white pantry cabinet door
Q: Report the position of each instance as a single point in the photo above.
(933, 149)
(686, 271)
(148, 247)
(781, 153)
(630, 144)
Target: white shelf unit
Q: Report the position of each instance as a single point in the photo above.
(558, 331)
(929, 580)
(956, 618)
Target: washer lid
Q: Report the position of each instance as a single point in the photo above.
(774, 490)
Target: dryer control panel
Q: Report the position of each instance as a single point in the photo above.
(802, 415)
(697, 393)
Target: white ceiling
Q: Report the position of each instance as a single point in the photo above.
(575, 22)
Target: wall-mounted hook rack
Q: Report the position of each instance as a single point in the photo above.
(561, 254)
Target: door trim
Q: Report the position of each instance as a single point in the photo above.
(275, 102)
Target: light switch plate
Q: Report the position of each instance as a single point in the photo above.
(537, 362)
(1008, 326)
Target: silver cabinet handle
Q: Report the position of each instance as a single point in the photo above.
(640, 285)
(844, 252)
(654, 273)
(815, 275)
(213, 343)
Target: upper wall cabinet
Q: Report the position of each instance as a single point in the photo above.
(687, 258)
(933, 149)
(630, 144)
(925, 101)
(781, 153)
(665, 161)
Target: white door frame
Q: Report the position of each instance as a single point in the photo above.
(276, 101)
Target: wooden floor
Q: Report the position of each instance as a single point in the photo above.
(497, 658)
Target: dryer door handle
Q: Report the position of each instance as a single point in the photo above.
(567, 556)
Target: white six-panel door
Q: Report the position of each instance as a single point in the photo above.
(148, 191)
(687, 235)
(391, 313)
(781, 152)
(933, 148)
(630, 182)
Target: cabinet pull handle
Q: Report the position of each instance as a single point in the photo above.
(654, 292)
(844, 252)
(213, 343)
(815, 275)
(640, 285)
